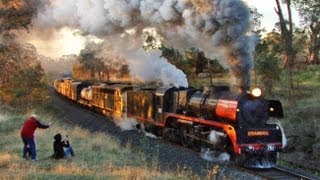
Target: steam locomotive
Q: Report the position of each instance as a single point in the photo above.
(215, 117)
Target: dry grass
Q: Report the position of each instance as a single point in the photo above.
(98, 156)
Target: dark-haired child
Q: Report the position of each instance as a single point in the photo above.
(58, 148)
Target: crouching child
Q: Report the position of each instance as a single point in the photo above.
(58, 148)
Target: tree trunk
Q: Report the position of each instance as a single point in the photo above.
(290, 59)
(92, 74)
(313, 57)
(287, 38)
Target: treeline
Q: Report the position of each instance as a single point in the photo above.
(92, 64)
(22, 79)
(193, 62)
(21, 75)
(288, 47)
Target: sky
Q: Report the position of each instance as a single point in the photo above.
(65, 42)
(266, 8)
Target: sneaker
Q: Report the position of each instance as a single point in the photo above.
(34, 159)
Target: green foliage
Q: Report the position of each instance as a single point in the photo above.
(301, 42)
(215, 67)
(22, 82)
(89, 61)
(256, 19)
(309, 10)
(267, 62)
(16, 14)
(268, 71)
(309, 76)
(93, 65)
(301, 122)
(192, 62)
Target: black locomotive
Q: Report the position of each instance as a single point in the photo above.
(214, 117)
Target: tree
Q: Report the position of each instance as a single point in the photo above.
(22, 82)
(267, 61)
(197, 60)
(178, 59)
(16, 14)
(301, 43)
(310, 12)
(286, 28)
(256, 20)
(124, 71)
(88, 60)
(95, 63)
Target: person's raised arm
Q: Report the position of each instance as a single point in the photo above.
(43, 126)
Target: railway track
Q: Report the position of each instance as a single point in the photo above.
(280, 173)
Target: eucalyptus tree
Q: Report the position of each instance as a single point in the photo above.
(267, 61)
(287, 36)
(14, 15)
(310, 13)
(21, 75)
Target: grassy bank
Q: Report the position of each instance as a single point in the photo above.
(97, 155)
(301, 122)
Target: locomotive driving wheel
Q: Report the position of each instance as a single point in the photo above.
(188, 138)
(186, 141)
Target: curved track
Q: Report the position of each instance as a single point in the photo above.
(280, 173)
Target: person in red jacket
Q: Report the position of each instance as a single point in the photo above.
(27, 135)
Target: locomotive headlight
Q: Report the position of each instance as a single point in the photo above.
(256, 92)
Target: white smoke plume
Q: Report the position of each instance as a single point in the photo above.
(143, 130)
(143, 66)
(214, 156)
(126, 124)
(150, 67)
(213, 137)
(218, 27)
(150, 135)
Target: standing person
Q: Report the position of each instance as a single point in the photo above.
(58, 145)
(27, 135)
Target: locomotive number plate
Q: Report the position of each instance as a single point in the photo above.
(258, 133)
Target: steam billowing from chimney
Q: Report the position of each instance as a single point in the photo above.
(218, 27)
